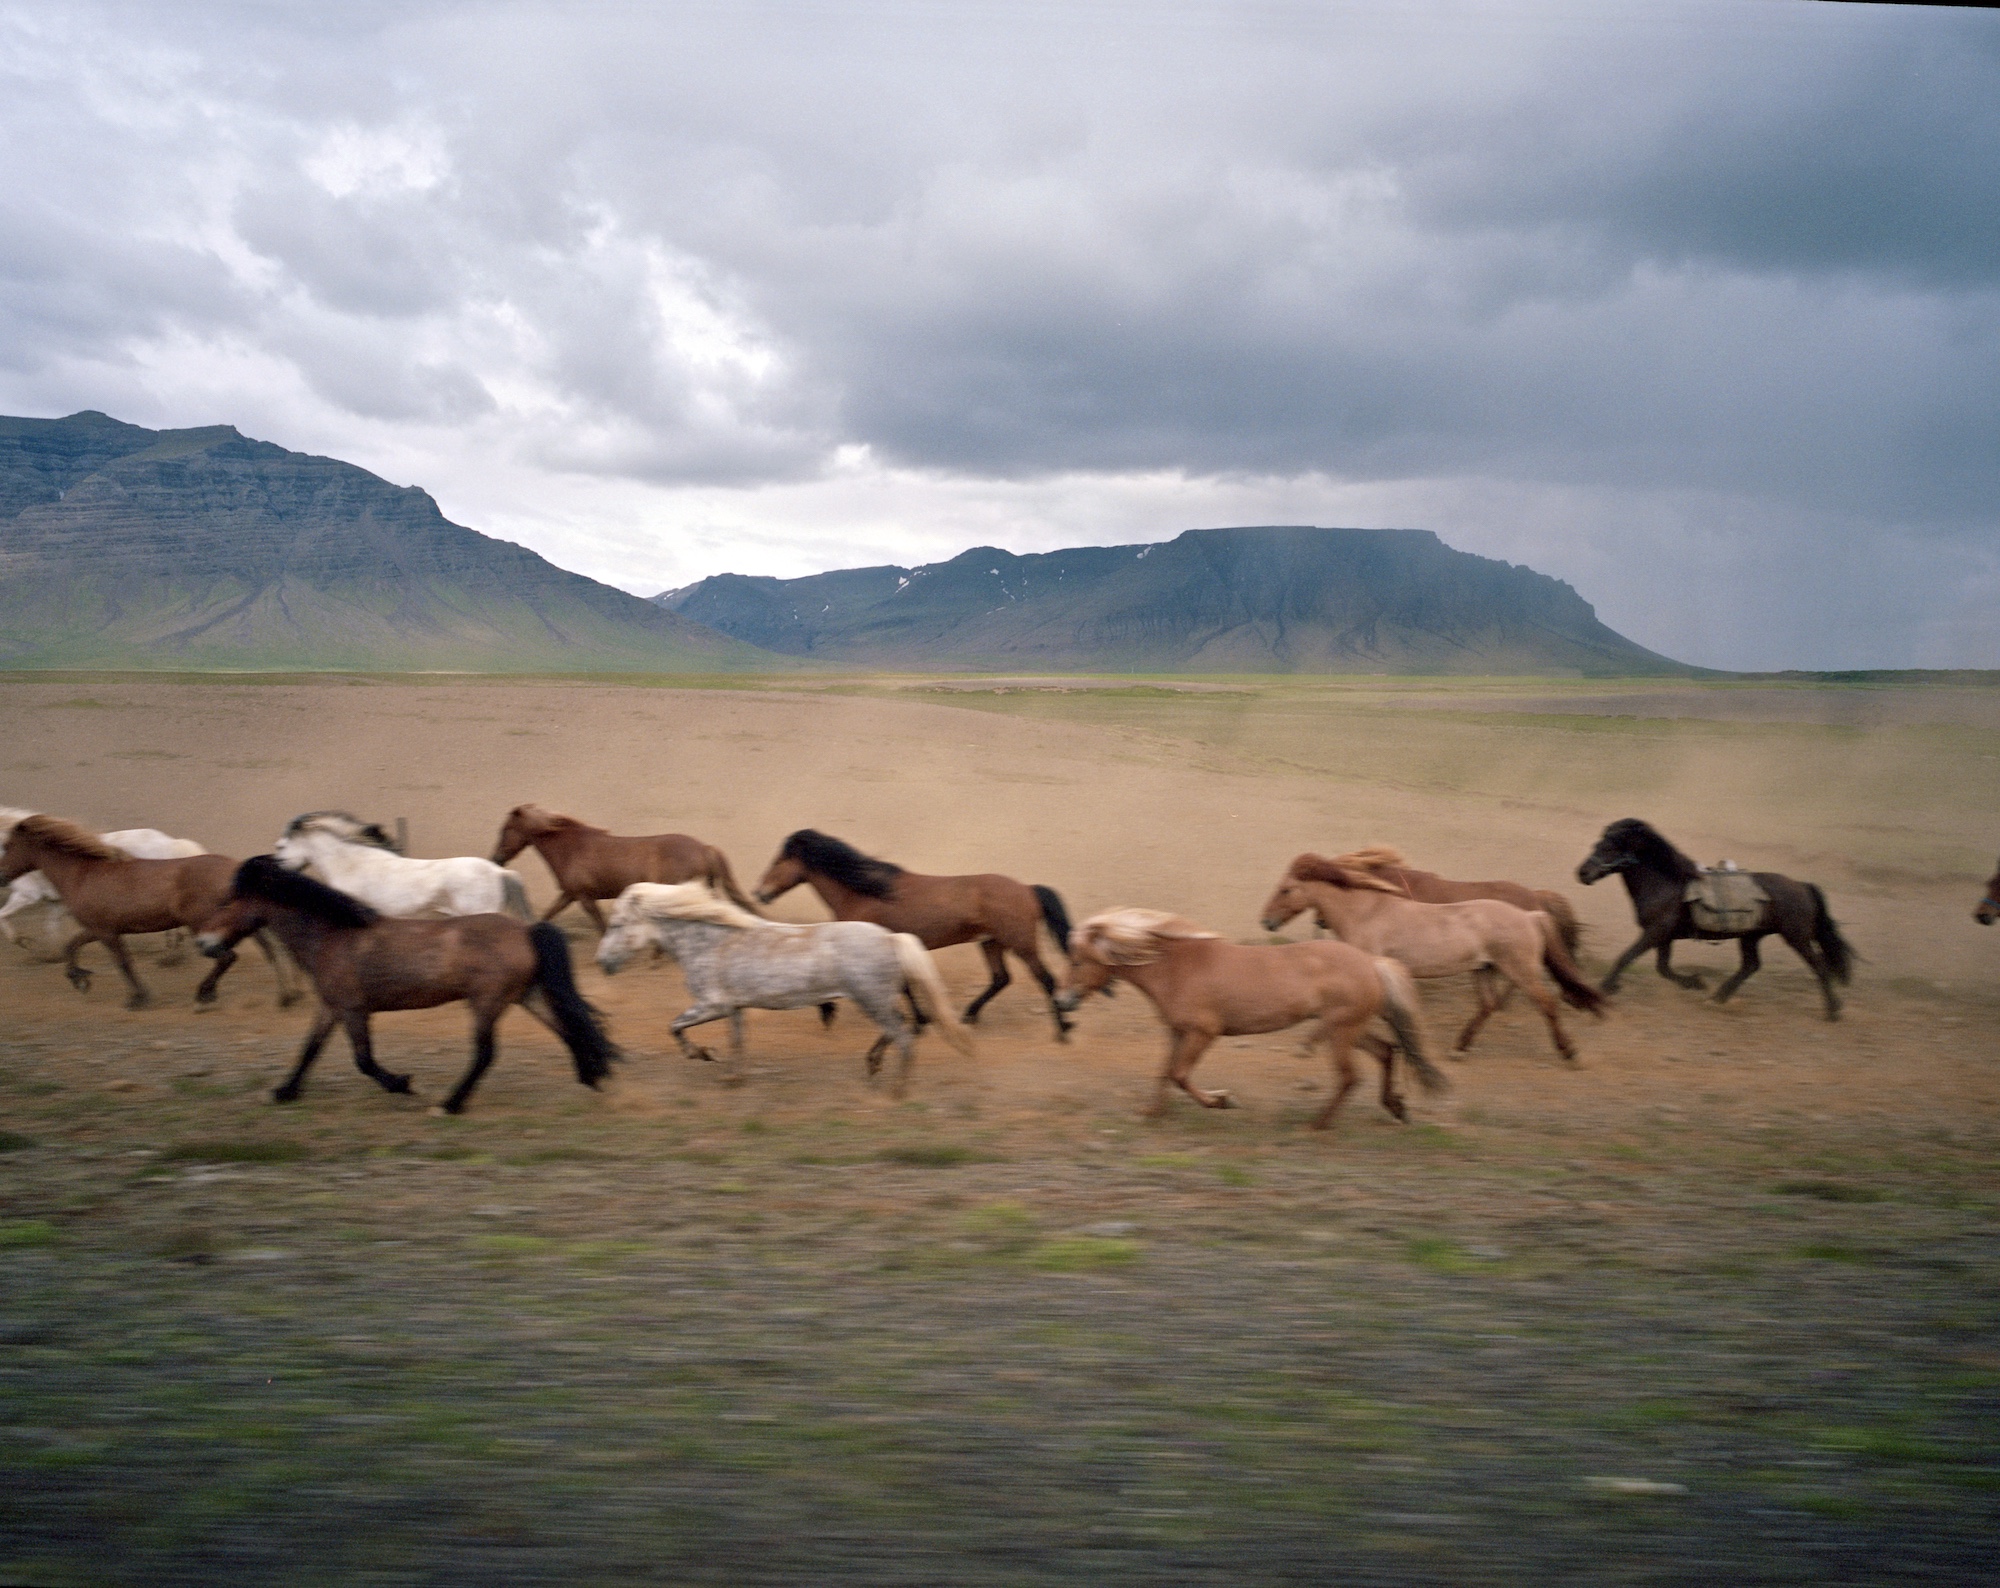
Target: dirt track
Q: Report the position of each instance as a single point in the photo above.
(1719, 1305)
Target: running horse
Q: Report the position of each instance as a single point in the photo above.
(997, 913)
(1656, 875)
(1204, 988)
(112, 894)
(590, 863)
(1988, 909)
(1427, 887)
(362, 962)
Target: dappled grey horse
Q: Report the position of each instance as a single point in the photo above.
(733, 960)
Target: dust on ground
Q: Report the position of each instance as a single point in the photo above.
(1718, 1305)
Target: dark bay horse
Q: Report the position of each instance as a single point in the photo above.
(1204, 988)
(1656, 875)
(111, 894)
(1988, 910)
(589, 863)
(997, 913)
(361, 962)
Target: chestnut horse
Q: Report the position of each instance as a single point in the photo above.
(1204, 988)
(997, 913)
(591, 864)
(1427, 887)
(1478, 935)
(111, 894)
(1988, 910)
(361, 962)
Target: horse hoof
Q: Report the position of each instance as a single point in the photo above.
(399, 1084)
(1223, 1100)
(438, 1111)
(137, 1001)
(285, 1094)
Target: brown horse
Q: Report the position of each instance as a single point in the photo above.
(591, 864)
(361, 962)
(1988, 910)
(111, 894)
(1427, 887)
(1478, 935)
(997, 913)
(1205, 988)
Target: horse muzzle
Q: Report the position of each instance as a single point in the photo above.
(1594, 870)
(1988, 912)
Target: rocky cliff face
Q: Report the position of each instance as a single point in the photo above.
(121, 546)
(1275, 599)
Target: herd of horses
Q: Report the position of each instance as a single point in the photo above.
(375, 930)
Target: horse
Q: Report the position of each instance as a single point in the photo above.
(1478, 935)
(1427, 887)
(111, 894)
(34, 889)
(997, 913)
(590, 864)
(362, 963)
(734, 959)
(1988, 909)
(1204, 988)
(1656, 875)
(360, 859)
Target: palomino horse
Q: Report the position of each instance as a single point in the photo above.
(111, 894)
(1656, 876)
(733, 960)
(362, 963)
(1478, 935)
(33, 890)
(997, 913)
(1988, 909)
(360, 859)
(591, 864)
(1205, 988)
(1427, 887)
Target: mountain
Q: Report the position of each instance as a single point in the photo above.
(1273, 599)
(126, 547)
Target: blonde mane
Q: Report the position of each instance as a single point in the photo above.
(68, 838)
(1373, 857)
(1317, 868)
(1132, 935)
(685, 901)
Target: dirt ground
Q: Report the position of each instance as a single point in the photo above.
(1718, 1305)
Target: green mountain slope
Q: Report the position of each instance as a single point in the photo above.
(126, 547)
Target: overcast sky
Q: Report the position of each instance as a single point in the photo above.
(1695, 305)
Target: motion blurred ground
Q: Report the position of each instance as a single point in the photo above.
(791, 1331)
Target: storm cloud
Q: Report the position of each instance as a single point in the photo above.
(1696, 305)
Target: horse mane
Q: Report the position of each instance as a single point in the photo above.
(1373, 857)
(344, 825)
(1132, 935)
(687, 901)
(265, 877)
(540, 819)
(12, 816)
(1317, 868)
(68, 838)
(842, 862)
(1646, 842)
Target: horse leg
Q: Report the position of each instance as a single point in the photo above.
(1482, 987)
(138, 998)
(1385, 1055)
(699, 1015)
(1752, 960)
(1657, 935)
(1041, 974)
(483, 1022)
(288, 992)
(1185, 1051)
(1808, 950)
(596, 915)
(563, 902)
(1340, 1047)
(356, 1022)
(1663, 962)
(896, 1031)
(828, 1009)
(1529, 979)
(736, 1036)
(322, 1028)
(996, 969)
(204, 995)
(79, 978)
(874, 1058)
(536, 1002)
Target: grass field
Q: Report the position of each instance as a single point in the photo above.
(1721, 1305)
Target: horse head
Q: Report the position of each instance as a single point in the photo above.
(1621, 846)
(523, 822)
(1289, 899)
(1989, 907)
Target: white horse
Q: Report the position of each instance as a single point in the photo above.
(34, 889)
(733, 960)
(359, 859)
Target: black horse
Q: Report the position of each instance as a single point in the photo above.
(1657, 874)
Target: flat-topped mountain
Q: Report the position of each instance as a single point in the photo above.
(127, 547)
(1275, 599)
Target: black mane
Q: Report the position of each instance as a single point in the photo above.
(263, 877)
(365, 832)
(1644, 844)
(845, 864)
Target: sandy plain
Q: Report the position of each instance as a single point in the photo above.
(1719, 1305)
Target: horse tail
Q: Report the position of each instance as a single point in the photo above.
(1563, 913)
(720, 876)
(1400, 1009)
(921, 972)
(1576, 992)
(581, 1026)
(1056, 916)
(1833, 948)
(514, 897)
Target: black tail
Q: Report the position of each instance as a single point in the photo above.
(1833, 948)
(579, 1024)
(1055, 915)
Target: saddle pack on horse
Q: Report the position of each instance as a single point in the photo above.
(1725, 902)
